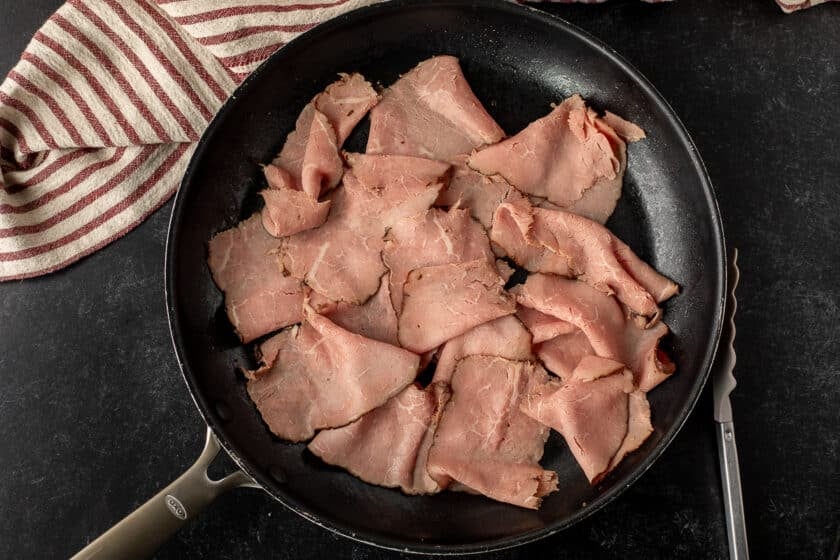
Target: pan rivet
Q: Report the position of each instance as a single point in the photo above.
(278, 474)
(223, 411)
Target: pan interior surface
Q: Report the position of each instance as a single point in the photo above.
(518, 62)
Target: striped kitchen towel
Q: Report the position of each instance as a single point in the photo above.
(99, 118)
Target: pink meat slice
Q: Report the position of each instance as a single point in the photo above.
(562, 353)
(484, 441)
(445, 301)
(287, 210)
(561, 156)
(599, 201)
(374, 319)
(318, 375)
(513, 231)
(388, 446)
(477, 192)
(541, 326)
(432, 238)
(431, 112)
(346, 102)
(550, 240)
(342, 105)
(341, 260)
(259, 297)
(610, 330)
(590, 410)
(309, 163)
(639, 427)
(504, 269)
(504, 337)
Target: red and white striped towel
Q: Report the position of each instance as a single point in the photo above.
(99, 118)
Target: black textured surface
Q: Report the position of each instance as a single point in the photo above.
(94, 417)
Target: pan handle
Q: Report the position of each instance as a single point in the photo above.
(142, 532)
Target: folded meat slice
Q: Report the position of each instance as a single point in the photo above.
(342, 105)
(388, 446)
(484, 441)
(608, 328)
(431, 112)
(598, 202)
(432, 238)
(374, 319)
(590, 410)
(477, 192)
(504, 269)
(442, 302)
(541, 326)
(342, 259)
(562, 353)
(259, 298)
(553, 240)
(513, 231)
(288, 210)
(504, 337)
(345, 103)
(318, 375)
(561, 156)
(309, 162)
(639, 427)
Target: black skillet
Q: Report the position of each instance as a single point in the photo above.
(518, 61)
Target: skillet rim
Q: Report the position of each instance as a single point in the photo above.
(606, 53)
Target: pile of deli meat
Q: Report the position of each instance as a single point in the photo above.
(365, 269)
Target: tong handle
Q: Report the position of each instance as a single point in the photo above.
(736, 529)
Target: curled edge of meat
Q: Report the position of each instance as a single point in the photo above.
(342, 446)
(598, 388)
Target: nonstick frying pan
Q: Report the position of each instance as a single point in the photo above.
(518, 61)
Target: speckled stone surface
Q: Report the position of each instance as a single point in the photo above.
(94, 417)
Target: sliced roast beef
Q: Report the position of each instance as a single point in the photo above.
(442, 302)
(343, 104)
(432, 238)
(541, 326)
(259, 298)
(287, 210)
(484, 441)
(477, 192)
(309, 162)
(562, 353)
(639, 427)
(431, 112)
(513, 232)
(561, 156)
(550, 240)
(318, 375)
(610, 330)
(374, 319)
(590, 410)
(504, 337)
(389, 445)
(504, 270)
(342, 259)
(626, 130)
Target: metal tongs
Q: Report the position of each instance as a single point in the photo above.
(723, 384)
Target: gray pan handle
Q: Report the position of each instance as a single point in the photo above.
(142, 532)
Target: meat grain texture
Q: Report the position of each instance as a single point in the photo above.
(375, 266)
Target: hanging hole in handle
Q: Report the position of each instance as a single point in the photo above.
(221, 467)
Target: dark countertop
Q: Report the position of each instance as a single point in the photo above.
(94, 416)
